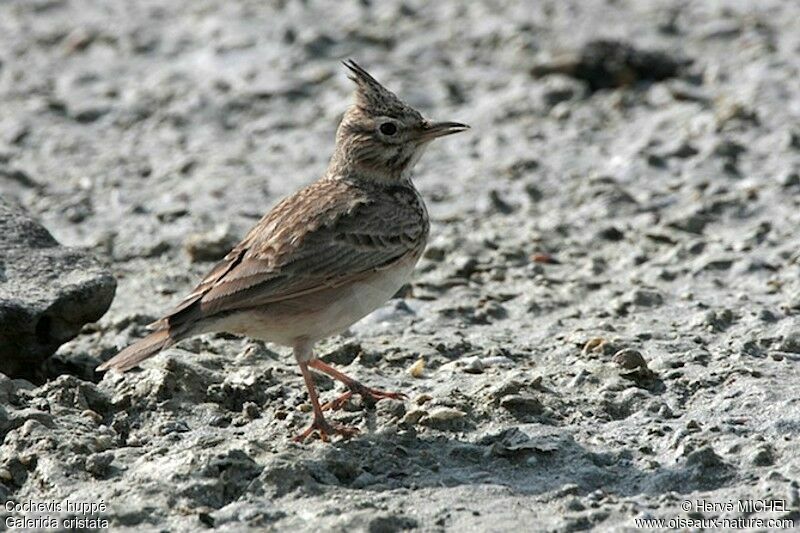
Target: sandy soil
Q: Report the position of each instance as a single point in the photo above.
(608, 312)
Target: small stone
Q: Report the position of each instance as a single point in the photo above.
(473, 365)
(575, 505)
(210, 246)
(763, 456)
(704, 457)
(534, 193)
(720, 29)
(496, 360)
(611, 233)
(680, 150)
(730, 149)
(716, 264)
(88, 111)
(646, 298)
(593, 345)
(94, 415)
(443, 418)
(414, 416)
(522, 404)
(727, 110)
(345, 354)
(690, 222)
(791, 343)
(434, 253)
(390, 408)
(250, 410)
(719, 320)
(499, 204)
(579, 378)
(561, 89)
(98, 464)
(791, 179)
(417, 369)
(78, 40)
(629, 359)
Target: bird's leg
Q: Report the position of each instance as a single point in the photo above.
(368, 394)
(319, 424)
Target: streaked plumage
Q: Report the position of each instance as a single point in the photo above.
(327, 255)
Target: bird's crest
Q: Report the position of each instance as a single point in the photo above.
(372, 97)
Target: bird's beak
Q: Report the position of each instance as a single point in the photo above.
(434, 130)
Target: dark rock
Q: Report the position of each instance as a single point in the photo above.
(562, 89)
(763, 456)
(523, 167)
(791, 179)
(729, 149)
(629, 359)
(605, 63)
(527, 439)
(646, 298)
(719, 320)
(611, 233)
(99, 464)
(680, 149)
(791, 343)
(498, 204)
(47, 292)
(690, 222)
(522, 405)
(388, 524)
(345, 354)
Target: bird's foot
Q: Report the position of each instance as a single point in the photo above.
(369, 395)
(325, 429)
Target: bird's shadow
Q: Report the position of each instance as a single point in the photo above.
(529, 459)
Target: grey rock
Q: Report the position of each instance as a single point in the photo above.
(629, 359)
(47, 292)
(522, 405)
(605, 63)
(99, 464)
(210, 246)
(791, 342)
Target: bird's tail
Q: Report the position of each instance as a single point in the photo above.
(139, 351)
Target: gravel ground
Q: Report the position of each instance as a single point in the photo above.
(608, 313)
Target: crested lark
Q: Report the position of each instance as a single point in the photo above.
(324, 257)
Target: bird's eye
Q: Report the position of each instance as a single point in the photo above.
(388, 128)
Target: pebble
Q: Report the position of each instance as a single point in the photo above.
(98, 464)
(414, 416)
(210, 246)
(473, 365)
(442, 417)
(417, 370)
(629, 359)
(522, 404)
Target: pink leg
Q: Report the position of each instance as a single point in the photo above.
(369, 394)
(319, 424)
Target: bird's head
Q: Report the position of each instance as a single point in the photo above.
(380, 136)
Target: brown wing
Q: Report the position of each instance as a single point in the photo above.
(325, 235)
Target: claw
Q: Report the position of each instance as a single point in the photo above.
(338, 403)
(324, 429)
(370, 395)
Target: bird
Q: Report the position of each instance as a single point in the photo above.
(323, 257)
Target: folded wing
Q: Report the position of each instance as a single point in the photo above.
(299, 248)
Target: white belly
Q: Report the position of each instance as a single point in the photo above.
(318, 315)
